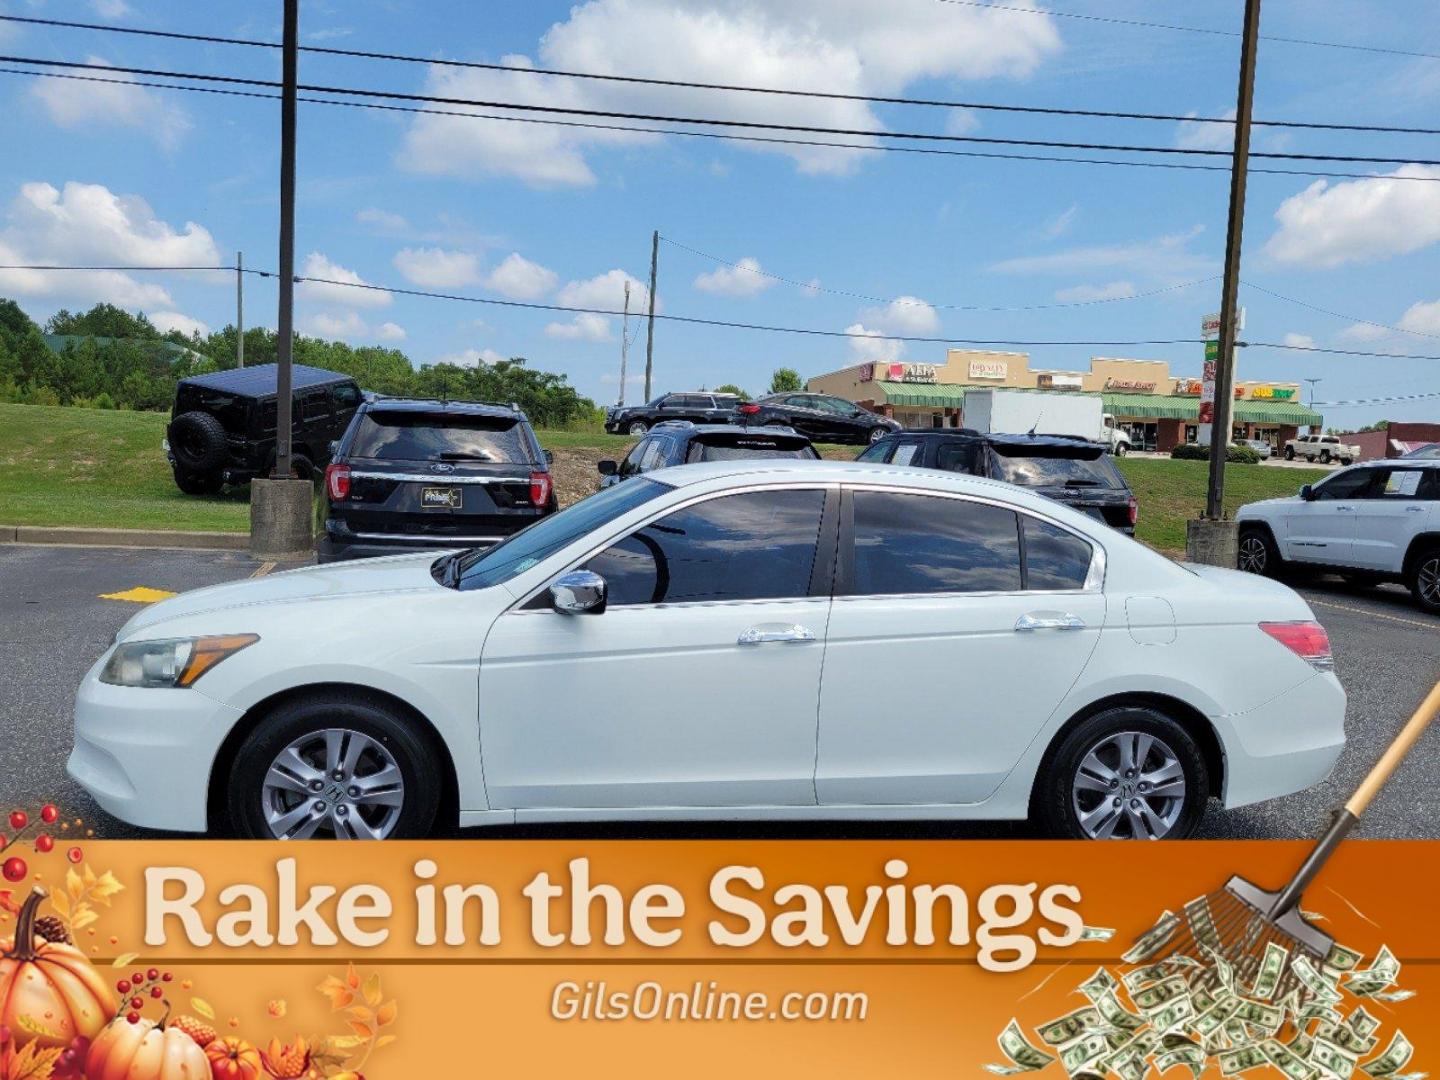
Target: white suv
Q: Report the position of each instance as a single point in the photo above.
(1375, 522)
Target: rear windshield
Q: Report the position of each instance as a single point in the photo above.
(1035, 467)
(736, 447)
(417, 436)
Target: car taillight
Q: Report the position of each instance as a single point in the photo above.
(1307, 640)
(337, 481)
(1134, 510)
(749, 410)
(539, 488)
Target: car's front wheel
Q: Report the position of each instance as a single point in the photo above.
(1289, 453)
(1425, 580)
(1257, 553)
(876, 434)
(638, 427)
(335, 766)
(1127, 773)
(1121, 449)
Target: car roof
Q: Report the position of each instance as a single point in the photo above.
(260, 379)
(1004, 438)
(804, 470)
(688, 430)
(435, 405)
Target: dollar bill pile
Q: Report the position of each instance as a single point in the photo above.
(1198, 1012)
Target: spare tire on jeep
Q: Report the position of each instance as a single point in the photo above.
(197, 440)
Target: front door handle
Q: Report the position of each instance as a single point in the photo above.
(1345, 509)
(1415, 509)
(1049, 620)
(768, 633)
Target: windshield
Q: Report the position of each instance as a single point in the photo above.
(417, 436)
(481, 568)
(1014, 466)
(732, 448)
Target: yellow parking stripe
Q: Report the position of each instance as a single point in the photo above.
(141, 594)
(1373, 614)
(263, 569)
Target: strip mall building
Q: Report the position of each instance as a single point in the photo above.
(1159, 410)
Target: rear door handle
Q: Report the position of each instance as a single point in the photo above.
(775, 633)
(1345, 509)
(1049, 620)
(1415, 509)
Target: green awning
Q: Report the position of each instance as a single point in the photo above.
(937, 395)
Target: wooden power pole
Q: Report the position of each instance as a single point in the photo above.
(239, 309)
(284, 395)
(650, 332)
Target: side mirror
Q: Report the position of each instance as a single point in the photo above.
(333, 446)
(605, 468)
(1307, 493)
(580, 592)
(550, 457)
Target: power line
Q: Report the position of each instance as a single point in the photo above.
(727, 87)
(720, 122)
(1115, 21)
(1338, 352)
(1355, 402)
(1336, 314)
(728, 136)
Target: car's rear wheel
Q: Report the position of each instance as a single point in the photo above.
(1257, 552)
(1289, 453)
(335, 766)
(1128, 773)
(638, 427)
(1324, 457)
(197, 440)
(1425, 580)
(876, 434)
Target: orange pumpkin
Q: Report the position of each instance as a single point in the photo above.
(233, 1059)
(50, 984)
(145, 1051)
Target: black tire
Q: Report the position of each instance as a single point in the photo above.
(1121, 449)
(197, 440)
(198, 483)
(1289, 453)
(636, 427)
(1056, 795)
(876, 434)
(303, 468)
(1324, 457)
(1424, 580)
(1257, 553)
(354, 712)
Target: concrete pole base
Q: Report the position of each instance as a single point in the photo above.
(1212, 543)
(281, 519)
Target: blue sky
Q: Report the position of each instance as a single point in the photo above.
(120, 173)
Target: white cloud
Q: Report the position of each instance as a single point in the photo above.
(1327, 225)
(1166, 259)
(104, 105)
(1364, 332)
(1422, 318)
(111, 9)
(436, 268)
(1299, 341)
(389, 331)
(1061, 222)
(853, 46)
(1193, 135)
(1085, 294)
(520, 279)
(583, 327)
(382, 220)
(869, 345)
(165, 321)
(341, 325)
(742, 279)
(811, 288)
(607, 292)
(470, 357)
(318, 265)
(905, 315)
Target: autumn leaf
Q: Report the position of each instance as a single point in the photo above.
(352, 977)
(33, 1063)
(203, 1007)
(386, 1013)
(372, 989)
(88, 876)
(84, 915)
(339, 994)
(59, 901)
(35, 1027)
(360, 1012)
(365, 1031)
(105, 887)
(344, 1042)
(73, 885)
(124, 959)
(383, 1041)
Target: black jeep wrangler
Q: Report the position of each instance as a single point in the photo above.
(222, 427)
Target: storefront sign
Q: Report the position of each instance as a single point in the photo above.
(867, 372)
(1273, 393)
(1210, 324)
(989, 369)
(1188, 387)
(913, 373)
(1049, 381)
(1133, 385)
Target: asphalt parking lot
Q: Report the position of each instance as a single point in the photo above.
(54, 622)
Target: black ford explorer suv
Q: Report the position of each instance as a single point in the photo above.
(678, 442)
(426, 475)
(1073, 471)
(222, 427)
(700, 407)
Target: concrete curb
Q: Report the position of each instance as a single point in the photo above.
(131, 538)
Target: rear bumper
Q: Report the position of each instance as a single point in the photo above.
(1286, 745)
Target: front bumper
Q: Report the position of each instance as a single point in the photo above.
(1286, 745)
(146, 755)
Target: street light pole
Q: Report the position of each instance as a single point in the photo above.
(284, 395)
(1312, 383)
(650, 330)
(239, 309)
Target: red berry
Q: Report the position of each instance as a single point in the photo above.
(49, 814)
(19, 819)
(44, 844)
(75, 854)
(166, 977)
(137, 1003)
(4, 841)
(123, 986)
(133, 1017)
(15, 869)
(152, 974)
(156, 992)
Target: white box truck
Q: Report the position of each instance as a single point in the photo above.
(1045, 412)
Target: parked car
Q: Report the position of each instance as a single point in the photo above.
(426, 475)
(222, 426)
(1260, 446)
(736, 640)
(700, 407)
(678, 442)
(1322, 448)
(1373, 522)
(1430, 451)
(822, 417)
(1072, 471)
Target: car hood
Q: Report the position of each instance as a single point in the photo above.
(334, 581)
(1283, 500)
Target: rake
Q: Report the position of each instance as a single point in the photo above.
(1239, 921)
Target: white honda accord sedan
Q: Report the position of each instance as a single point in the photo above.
(740, 640)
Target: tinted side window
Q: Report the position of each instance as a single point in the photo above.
(655, 455)
(1346, 485)
(755, 546)
(314, 406)
(957, 457)
(631, 465)
(346, 396)
(1054, 558)
(924, 544)
(879, 451)
(1430, 486)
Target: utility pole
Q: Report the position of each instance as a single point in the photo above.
(239, 309)
(624, 342)
(650, 333)
(284, 396)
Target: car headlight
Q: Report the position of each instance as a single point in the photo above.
(172, 662)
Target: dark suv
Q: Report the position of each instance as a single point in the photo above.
(677, 442)
(425, 475)
(823, 417)
(1069, 470)
(222, 427)
(700, 407)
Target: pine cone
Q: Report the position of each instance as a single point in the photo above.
(52, 929)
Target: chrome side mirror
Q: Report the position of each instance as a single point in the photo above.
(580, 592)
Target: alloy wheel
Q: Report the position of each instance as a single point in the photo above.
(1129, 786)
(335, 781)
(638, 428)
(877, 434)
(1427, 581)
(1253, 555)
